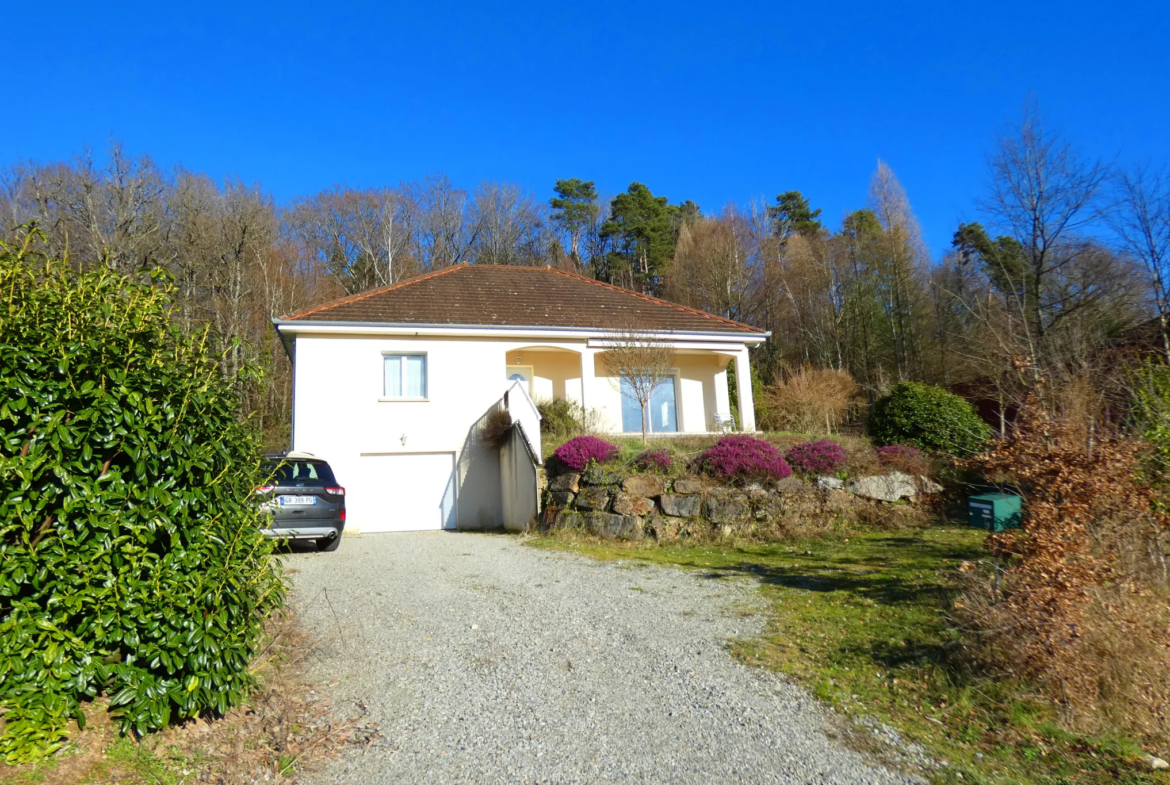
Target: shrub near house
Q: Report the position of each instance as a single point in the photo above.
(131, 563)
(579, 452)
(929, 418)
(744, 457)
(823, 456)
(653, 461)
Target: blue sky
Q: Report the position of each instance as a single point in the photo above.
(713, 102)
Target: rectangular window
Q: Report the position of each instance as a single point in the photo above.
(405, 376)
(661, 414)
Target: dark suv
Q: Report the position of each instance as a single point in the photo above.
(303, 499)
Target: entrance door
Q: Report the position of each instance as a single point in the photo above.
(404, 492)
(522, 373)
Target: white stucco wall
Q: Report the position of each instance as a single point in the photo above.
(338, 414)
(556, 374)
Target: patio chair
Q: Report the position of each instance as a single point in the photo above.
(725, 422)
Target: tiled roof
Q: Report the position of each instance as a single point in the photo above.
(478, 294)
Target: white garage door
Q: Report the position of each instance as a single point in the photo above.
(401, 493)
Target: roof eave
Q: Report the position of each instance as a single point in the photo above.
(305, 325)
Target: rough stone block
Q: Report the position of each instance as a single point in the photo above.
(560, 499)
(595, 498)
(769, 509)
(566, 482)
(689, 485)
(614, 527)
(680, 506)
(597, 476)
(886, 488)
(644, 485)
(567, 519)
(726, 509)
(663, 529)
(831, 483)
(791, 485)
(626, 504)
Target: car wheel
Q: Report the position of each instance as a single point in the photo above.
(329, 544)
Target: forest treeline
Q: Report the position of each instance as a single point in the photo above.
(1067, 255)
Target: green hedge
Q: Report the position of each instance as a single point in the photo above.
(929, 418)
(131, 562)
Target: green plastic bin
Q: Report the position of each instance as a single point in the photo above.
(995, 511)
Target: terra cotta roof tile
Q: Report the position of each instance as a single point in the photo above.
(515, 296)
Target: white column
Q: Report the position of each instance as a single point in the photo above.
(722, 400)
(743, 385)
(588, 380)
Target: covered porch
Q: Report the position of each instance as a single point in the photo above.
(693, 400)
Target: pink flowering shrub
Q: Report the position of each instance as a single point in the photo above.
(653, 460)
(899, 454)
(823, 456)
(577, 453)
(744, 457)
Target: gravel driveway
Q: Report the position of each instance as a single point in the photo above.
(486, 661)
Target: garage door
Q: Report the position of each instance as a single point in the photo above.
(401, 493)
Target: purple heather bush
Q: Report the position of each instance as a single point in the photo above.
(823, 456)
(578, 452)
(743, 457)
(653, 460)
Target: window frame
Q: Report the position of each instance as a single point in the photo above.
(675, 380)
(401, 356)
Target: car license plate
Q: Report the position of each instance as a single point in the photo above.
(294, 500)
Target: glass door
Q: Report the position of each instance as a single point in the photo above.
(661, 413)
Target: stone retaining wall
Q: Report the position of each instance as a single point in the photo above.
(630, 508)
(633, 507)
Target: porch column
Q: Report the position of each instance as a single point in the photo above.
(743, 385)
(588, 379)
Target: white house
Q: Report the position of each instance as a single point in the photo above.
(391, 385)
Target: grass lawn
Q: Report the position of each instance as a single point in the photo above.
(860, 619)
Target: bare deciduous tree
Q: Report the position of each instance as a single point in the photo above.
(441, 232)
(642, 361)
(1142, 221)
(1044, 193)
(355, 235)
(511, 228)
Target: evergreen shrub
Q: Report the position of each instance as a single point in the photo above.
(929, 418)
(131, 559)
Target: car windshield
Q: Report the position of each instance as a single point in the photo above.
(290, 470)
